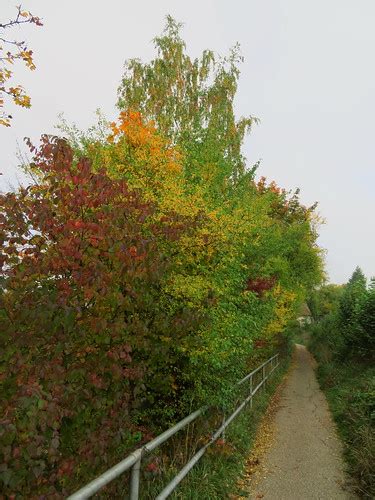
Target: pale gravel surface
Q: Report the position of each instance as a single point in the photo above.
(305, 460)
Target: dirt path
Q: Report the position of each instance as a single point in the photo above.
(304, 460)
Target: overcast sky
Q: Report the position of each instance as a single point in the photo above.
(308, 74)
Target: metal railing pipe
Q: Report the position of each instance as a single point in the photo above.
(108, 476)
(128, 462)
(256, 370)
(134, 459)
(186, 469)
(170, 432)
(257, 388)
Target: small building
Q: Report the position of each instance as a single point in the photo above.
(304, 315)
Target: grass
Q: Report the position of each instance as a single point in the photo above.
(350, 390)
(216, 474)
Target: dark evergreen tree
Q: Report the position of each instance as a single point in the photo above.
(350, 312)
(367, 319)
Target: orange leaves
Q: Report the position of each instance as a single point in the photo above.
(272, 187)
(149, 145)
(28, 17)
(132, 126)
(150, 163)
(22, 100)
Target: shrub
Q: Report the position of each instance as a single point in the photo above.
(84, 258)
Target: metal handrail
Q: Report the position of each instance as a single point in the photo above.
(257, 369)
(133, 460)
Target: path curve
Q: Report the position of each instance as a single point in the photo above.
(305, 459)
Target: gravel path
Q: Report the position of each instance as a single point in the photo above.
(304, 461)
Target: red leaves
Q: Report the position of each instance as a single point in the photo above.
(261, 343)
(260, 285)
(97, 381)
(133, 251)
(83, 259)
(121, 352)
(152, 467)
(76, 224)
(66, 468)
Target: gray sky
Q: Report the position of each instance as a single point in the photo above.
(309, 75)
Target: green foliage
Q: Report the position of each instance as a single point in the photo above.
(367, 316)
(343, 343)
(350, 389)
(267, 236)
(217, 474)
(345, 317)
(350, 310)
(324, 300)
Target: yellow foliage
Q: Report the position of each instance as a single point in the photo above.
(148, 162)
(283, 311)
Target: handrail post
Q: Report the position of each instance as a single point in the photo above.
(251, 391)
(134, 480)
(264, 377)
(222, 423)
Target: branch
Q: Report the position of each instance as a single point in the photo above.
(22, 18)
(14, 42)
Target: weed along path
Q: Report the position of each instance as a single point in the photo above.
(304, 459)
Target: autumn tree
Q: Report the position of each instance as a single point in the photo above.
(268, 238)
(257, 233)
(85, 335)
(11, 51)
(192, 103)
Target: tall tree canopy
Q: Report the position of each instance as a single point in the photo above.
(192, 103)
